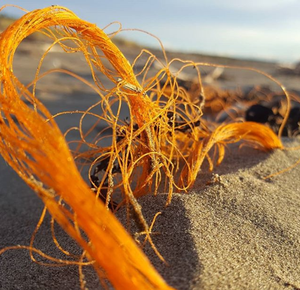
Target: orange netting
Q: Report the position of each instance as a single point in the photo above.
(164, 143)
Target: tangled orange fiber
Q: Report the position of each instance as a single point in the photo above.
(33, 145)
(154, 145)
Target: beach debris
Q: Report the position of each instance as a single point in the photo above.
(187, 79)
(272, 117)
(257, 104)
(259, 113)
(290, 70)
(33, 145)
(214, 75)
(215, 179)
(162, 146)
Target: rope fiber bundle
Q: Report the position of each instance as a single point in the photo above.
(165, 142)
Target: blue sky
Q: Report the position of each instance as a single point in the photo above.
(267, 29)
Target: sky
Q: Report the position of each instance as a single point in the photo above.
(255, 29)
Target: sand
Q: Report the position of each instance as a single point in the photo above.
(240, 232)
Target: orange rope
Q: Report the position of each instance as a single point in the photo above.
(33, 145)
(165, 131)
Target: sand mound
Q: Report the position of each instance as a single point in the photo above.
(241, 232)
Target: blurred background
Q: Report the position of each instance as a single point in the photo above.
(261, 35)
(257, 29)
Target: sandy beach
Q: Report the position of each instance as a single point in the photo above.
(242, 232)
(238, 232)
